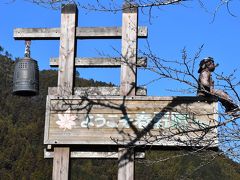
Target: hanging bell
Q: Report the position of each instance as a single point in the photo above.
(26, 75)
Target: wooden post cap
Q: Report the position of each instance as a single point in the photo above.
(69, 8)
(129, 7)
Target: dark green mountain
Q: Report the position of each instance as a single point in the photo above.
(21, 143)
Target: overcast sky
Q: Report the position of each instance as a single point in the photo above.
(171, 29)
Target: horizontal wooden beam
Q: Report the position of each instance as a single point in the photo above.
(81, 33)
(98, 91)
(99, 62)
(106, 32)
(36, 33)
(93, 154)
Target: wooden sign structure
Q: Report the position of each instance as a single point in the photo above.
(110, 116)
(134, 120)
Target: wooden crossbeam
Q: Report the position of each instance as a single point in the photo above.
(92, 154)
(99, 62)
(98, 91)
(81, 33)
(36, 33)
(106, 32)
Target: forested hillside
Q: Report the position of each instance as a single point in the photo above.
(21, 143)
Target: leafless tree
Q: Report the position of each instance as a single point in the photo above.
(146, 6)
(183, 71)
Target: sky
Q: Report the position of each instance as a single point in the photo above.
(170, 29)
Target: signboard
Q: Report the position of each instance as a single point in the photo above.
(139, 120)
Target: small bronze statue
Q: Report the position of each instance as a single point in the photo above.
(206, 85)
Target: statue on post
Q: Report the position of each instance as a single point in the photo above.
(206, 85)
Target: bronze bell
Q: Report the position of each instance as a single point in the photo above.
(26, 76)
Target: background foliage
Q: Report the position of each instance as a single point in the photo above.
(21, 142)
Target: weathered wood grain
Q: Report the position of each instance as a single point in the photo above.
(65, 80)
(119, 120)
(67, 49)
(129, 51)
(98, 91)
(36, 33)
(61, 163)
(125, 164)
(93, 154)
(99, 62)
(106, 32)
(81, 33)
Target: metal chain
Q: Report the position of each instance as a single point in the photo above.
(27, 48)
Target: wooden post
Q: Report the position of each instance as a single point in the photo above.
(65, 80)
(128, 80)
(61, 163)
(68, 33)
(67, 49)
(129, 49)
(125, 164)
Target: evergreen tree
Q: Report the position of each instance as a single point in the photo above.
(21, 143)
